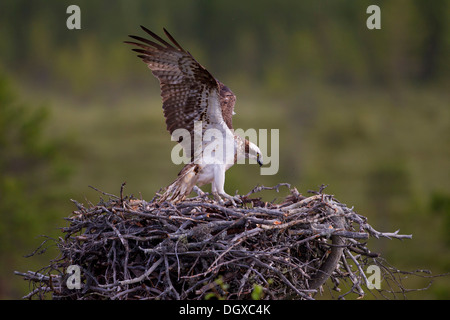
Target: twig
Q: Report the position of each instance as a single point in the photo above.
(104, 193)
(135, 280)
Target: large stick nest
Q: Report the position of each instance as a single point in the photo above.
(128, 248)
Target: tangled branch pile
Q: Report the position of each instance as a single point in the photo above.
(198, 249)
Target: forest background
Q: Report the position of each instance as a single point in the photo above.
(364, 111)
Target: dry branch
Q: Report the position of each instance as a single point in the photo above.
(133, 249)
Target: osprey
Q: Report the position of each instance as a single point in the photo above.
(195, 103)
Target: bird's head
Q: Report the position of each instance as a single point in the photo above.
(254, 153)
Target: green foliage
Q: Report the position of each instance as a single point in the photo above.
(219, 290)
(271, 43)
(440, 204)
(257, 293)
(29, 172)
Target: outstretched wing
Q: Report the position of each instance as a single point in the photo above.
(189, 92)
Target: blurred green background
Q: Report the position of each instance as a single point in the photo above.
(365, 111)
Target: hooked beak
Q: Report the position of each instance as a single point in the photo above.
(258, 159)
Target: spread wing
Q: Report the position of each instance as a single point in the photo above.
(189, 92)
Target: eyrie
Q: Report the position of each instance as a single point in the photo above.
(192, 96)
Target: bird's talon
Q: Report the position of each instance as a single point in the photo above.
(232, 200)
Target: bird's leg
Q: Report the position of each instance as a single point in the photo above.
(215, 193)
(218, 188)
(232, 199)
(218, 197)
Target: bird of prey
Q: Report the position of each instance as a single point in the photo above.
(195, 103)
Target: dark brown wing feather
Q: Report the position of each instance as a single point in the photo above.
(185, 84)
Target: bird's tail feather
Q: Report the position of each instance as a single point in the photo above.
(178, 190)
